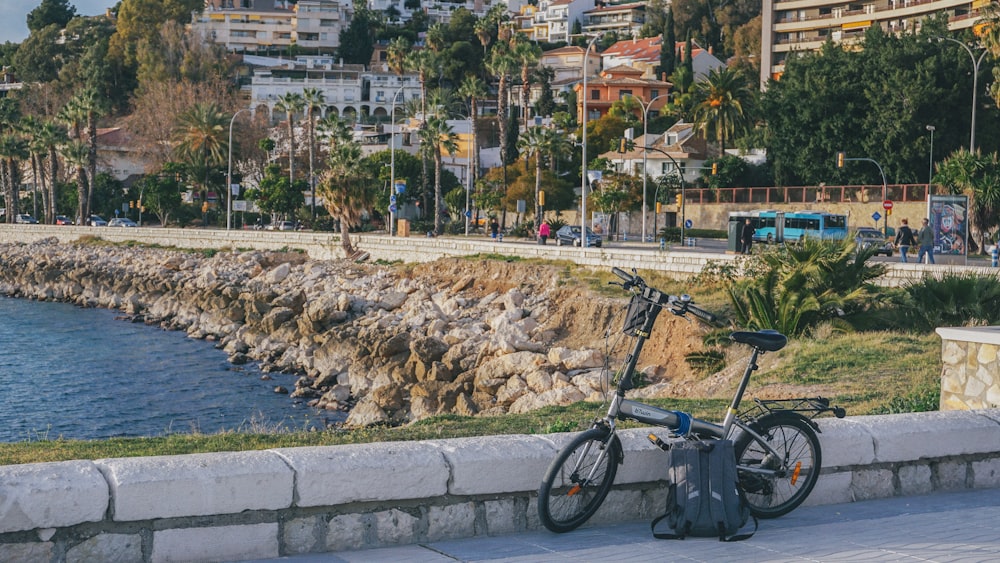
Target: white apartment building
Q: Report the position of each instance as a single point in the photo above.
(254, 25)
(401, 11)
(804, 25)
(626, 19)
(551, 20)
(349, 90)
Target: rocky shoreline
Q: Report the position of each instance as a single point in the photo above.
(389, 344)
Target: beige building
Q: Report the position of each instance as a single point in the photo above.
(804, 25)
(255, 25)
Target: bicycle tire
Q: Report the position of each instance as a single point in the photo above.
(793, 437)
(567, 498)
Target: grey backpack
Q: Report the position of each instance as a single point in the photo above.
(704, 498)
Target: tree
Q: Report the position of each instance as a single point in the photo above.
(41, 55)
(668, 47)
(276, 194)
(292, 103)
(51, 136)
(161, 192)
(313, 99)
(347, 189)
(526, 54)
(139, 21)
(473, 89)
(13, 149)
(50, 12)
(357, 39)
(501, 63)
(77, 155)
(536, 142)
(545, 105)
(201, 140)
(725, 101)
(978, 176)
(438, 136)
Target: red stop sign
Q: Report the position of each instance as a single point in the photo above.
(887, 204)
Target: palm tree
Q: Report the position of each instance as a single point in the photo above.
(437, 135)
(526, 54)
(201, 139)
(500, 64)
(314, 100)
(335, 130)
(51, 136)
(534, 143)
(978, 176)
(291, 103)
(13, 149)
(424, 62)
(91, 105)
(77, 155)
(725, 101)
(474, 89)
(347, 190)
(29, 127)
(396, 55)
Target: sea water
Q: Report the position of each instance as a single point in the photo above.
(75, 373)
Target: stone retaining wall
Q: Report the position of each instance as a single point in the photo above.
(970, 371)
(326, 246)
(262, 504)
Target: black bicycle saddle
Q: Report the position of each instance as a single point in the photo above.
(767, 340)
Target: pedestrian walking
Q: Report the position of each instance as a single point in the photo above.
(925, 238)
(494, 228)
(543, 232)
(746, 237)
(904, 239)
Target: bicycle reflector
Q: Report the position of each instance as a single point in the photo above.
(795, 474)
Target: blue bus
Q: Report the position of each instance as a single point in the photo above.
(779, 226)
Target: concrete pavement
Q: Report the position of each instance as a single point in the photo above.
(960, 526)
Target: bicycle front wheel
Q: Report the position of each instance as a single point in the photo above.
(791, 474)
(578, 480)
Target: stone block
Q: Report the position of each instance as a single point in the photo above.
(395, 527)
(331, 475)
(503, 516)
(197, 485)
(451, 521)
(952, 475)
(301, 535)
(347, 532)
(107, 548)
(831, 488)
(915, 480)
(221, 543)
(495, 464)
(986, 473)
(913, 436)
(51, 495)
(845, 442)
(644, 462)
(872, 483)
(36, 551)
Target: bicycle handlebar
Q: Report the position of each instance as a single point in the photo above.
(680, 304)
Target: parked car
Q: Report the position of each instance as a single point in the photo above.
(97, 221)
(570, 234)
(25, 219)
(867, 238)
(64, 220)
(122, 222)
(281, 226)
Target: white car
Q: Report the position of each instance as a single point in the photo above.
(122, 222)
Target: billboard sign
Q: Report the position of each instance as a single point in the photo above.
(949, 218)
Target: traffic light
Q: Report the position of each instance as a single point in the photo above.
(715, 168)
(680, 201)
(840, 159)
(621, 146)
(659, 207)
(131, 204)
(888, 212)
(541, 198)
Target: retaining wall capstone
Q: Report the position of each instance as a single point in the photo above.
(262, 504)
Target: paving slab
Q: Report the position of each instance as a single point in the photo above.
(944, 527)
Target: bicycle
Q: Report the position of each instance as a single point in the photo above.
(777, 450)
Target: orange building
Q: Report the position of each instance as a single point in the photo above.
(615, 84)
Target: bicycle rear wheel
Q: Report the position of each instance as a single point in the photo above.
(578, 480)
(795, 441)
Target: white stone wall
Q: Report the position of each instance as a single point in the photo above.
(263, 504)
(970, 374)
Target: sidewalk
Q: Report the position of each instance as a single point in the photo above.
(961, 526)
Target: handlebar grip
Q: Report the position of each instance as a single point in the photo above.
(625, 276)
(702, 314)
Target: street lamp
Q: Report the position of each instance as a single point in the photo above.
(680, 174)
(468, 179)
(392, 158)
(975, 85)
(645, 110)
(229, 175)
(583, 146)
(885, 187)
(930, 167)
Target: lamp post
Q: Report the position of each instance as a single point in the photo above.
(392, 158)
(885, 186)
(975, 85)
(930, 167)
(583, 146)
(229, 175)
(645, 110)
(468, 179)
(680, 174)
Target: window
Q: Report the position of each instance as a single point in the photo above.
(595, 94)
(622, 94)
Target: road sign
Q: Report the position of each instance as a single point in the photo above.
(468, 214)
(392, 198)
(876, 216)
(887, 204)
(688, 224)
(392, 208)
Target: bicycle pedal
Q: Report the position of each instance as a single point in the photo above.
(658, 442)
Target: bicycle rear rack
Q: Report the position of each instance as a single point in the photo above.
(808, 406)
